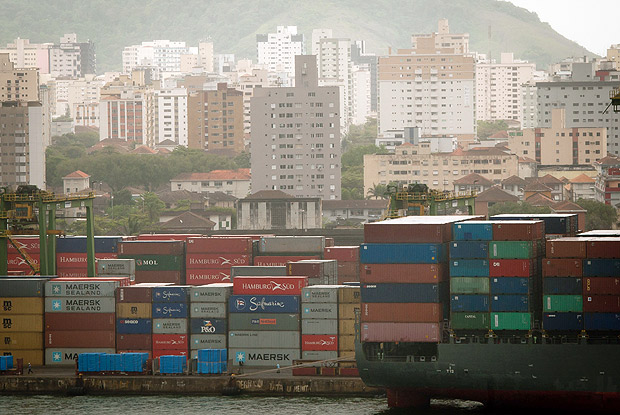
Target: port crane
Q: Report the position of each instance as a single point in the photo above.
(417, 199)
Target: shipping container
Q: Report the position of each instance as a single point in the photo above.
(67, 356)
(280, 260)
(319, 310)
(554, 223)
(563, 321)
(141, 293)
(170, 325)
(602, 321)
(208, 310)
(207, 276)
(470, 321)
(601, 303)
(264, 322)
(343, 253)
(202, 245)
(349, 270)
(94, 288)
(349, 295)
(21, 322)
(123, 281)
(208, 326)
(155, 262)
(320, 294)
(170, 294)
(319, 355)
(562, 268)
(469, 303)
(510, 303)
(402, 312)
(264, 304)
(79, 260)
(80, 305)
(21, 305)
(217, 261)
(469, 268)
(133, 341)
(291, 285)
(469, 249)
(346, 346)
(472, 231)
(512, 268)
(77, 244)
(170, 310)
(22, 341)
(566, 248)
(514, 249)
(167, 236)
(264, 339)
(163, 352)
(211, 293)
(346, 327)
(518, 230)
(413, 229)
(402, 253)
(80, 321)
(134, 326)
(116, 267)
(29, 244)
(159, 277)
(469, 285)
(603, 247)
(562, 285)
(22, 287)
(511, 321)
(349, 311)
(33, 357)
(261, 271)
(253, 357)
(602, 285)
(563, 303)
(319, 326)
(133, 310)
(401, 293)
(170, 342)
(400, 332)
(510, 285)
(158, 248)
(274, 245)
(208, 341)
(403, 273)
(57, 338)
(601, 267)
(16, 262)
(316, 342)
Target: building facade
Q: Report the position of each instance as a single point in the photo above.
(277, 51)
(274, 209)
(171, 115)
(230, 182)
(163, 54)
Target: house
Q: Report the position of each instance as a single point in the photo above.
(569, 207)
(472, 182)
(220, 200)
(356, 210)
(608, 180)
(274, 209)
(232, 182)
(556, 186)
(539, 199)
(582, 187)
(188, 222)
(514, 185)
(172, 198)
(75, 182)
(490, 197)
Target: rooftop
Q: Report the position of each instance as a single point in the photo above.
(495, 194)
(239, 174)
(78, 174)
(474, 178)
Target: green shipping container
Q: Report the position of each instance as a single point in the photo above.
(469, 321)
(512, 249)
(568, 303)
(156, 262)
(469, 285)
(511, 321)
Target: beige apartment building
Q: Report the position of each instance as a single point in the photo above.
(17, 84)
(248, 83)
(410, 163)
(559, 145)
(215, 120)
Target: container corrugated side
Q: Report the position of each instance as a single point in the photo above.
(469, 303)
(472, 231)
(402, 253)
(22, 341)
(134, 326)
(154, 262)
(21, 322)
(80, 305)
(133, 310)
(34, 357)
(512, 267)
(92, 288)
(601, 285)
(566, 248)
(470, 321)
(604, 247)
(348, 311)
(79, 321)
(601, 303)
(469, 268)
(602, 321)
(264, 304)
(401, 293)
(402, 312)
(133, 341)
(203, 245)
(510, 285)
(469, 285)
(264, 322)
(563, 303)
(252, 357)
(21, 305)
(510, 303)
(211, 293)
(208, 341)
(468, 249)
(170, 325)
(222, 261)
(290, 285)
(562, 321)
(291, 244)
(349, 295)
(208, 310)
(319, 326)
(513, 249)
(511, 321)
(22, 287)
(152, 247)
(403, 273)
(562, 285)
(264, 339)
(601, 267)
(319, 294)
(562, 267)
(204, 276)
(250, 271)
(170, 310)
(116, 267)
(66, 356)
(400, 332)
(208, 326)
(103, 339)
(319, 310)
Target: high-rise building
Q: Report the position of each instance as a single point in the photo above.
(334, 67)
(296, 136)
(163, 54)
(362, 59)
(248, 83)
(171, 116)
(277, 51)
(17, 84)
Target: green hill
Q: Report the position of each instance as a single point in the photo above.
(494, 26)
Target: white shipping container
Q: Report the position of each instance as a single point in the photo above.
(264, 339)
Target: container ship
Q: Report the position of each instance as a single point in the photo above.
(496, 311)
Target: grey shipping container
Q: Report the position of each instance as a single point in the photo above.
(264, 322)
(80, 305)
(291, 244)
(319, 294)
(207, 341)
(208, 310)
(116, 267)
(67, 356)
(319, 310)
(322, 326)
(259, 271)
(211, 293)
(264, 339)
(80, 288)
(169, 326)
(263, 357)
(319, 355)
(23, 287)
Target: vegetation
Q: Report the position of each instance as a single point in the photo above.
(488, 128)
(494, 26)
(358, 142)
(598, 215)
(516, 207)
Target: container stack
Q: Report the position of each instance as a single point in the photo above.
(556, 224)
(156, 261)
(172, 364)
(264, 271)
(264, 320)
(278, 250)
(349, 308)
(348, 258)
(71, 254)
(170, 313)
(319, 322)
(318, 271)
(16, 263)
(403, 275)
(209, 318)
(601, 285)
(493, 274)
(79, 318)
(22, 318)
(209, 260)
(212, 361)
(117, 267)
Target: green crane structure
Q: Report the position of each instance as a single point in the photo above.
(32, 211)
(417, 199)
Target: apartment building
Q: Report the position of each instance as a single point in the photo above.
(17, 84)
(248, 83)
(608, 181)
(334, 66)
(366, 61)
(163, 54)
(296, 136)
(277, 51)
(171, 116)
(230, 182)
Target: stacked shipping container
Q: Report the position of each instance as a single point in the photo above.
(16, 263)
(209, 260)
(558, 224)
(318, 271)
(278, 250)
(209, 317)
(156, 261)
(319, 322)
(71, 254)
(170, 320)
(348, 258)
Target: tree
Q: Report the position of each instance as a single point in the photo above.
(598, 215)
(488, 128)
(516, 207)
(153, 206)
(378, 191)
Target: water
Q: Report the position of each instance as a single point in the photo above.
(177, 405)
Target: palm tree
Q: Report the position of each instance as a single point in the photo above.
(377, 191)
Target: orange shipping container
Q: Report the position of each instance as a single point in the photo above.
(21, 305)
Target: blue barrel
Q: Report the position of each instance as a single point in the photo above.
(469, 303)
(401, 293)
(602, 321)
(402, 253)
(469, 268)
(513, 303)
(264, 304)
(469, 249)
(472, 231)
(563, 321)
(510, 285)
(170, 310)
(562, 285)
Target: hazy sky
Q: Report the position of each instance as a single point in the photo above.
(593, 24)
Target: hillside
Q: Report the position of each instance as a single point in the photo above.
(494, 26)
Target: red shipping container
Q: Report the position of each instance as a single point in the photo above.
(170, 342)
(403, 273)
(304, 371)
(152, 247)
(349, 371)
(312, 342)
(342, 253)
(122, 281)
(224, 261)
(241, 245)
(206, 276)
(330, 242)
(348, 268)
(166, 237)
(279, 260)
(511, 268)
(601, 285)
(98, 339)
(173, 277)
(29, 244)
(134, 294)
(566, 248)
(80, 321)
(16, 262)
(164, 352)
(79, 260)
(601, 303)
(562, 268)
(327, 371)
(291, 285)
(253, 237)
(133, 341)
(72, 273)
(348, 278)
(603, 247)
(400, 332)
(308, 269)
(402, 312)
(518, 230)
(399, 231)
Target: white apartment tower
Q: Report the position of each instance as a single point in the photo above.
(163, 54)
(171, 116)
(277, 51)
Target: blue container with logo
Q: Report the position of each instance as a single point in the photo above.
(469, 268)
(469, 249)
(264, 304)
(170, 294)
(400, 293)
(134, 325)
(170, 310)
(208, 326)
(509, 285)
(402, 253)
(563, 321)
(469, 302)
(512, 303)
(472, 231)
(562, 285)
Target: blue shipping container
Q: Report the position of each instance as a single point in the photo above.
(510, 285)
(469, 268)
(77, 244)
(562, 285)
(6, 362)
(208, 326)
(264, 304)
(512, 303)
(134, 325)
(563, 321)
(601, 267)
(401, 293)
(170, 310)
(469, 249)
(170, 294)
(469, 302)
(602, 321)
(402, 253)
(472, 231)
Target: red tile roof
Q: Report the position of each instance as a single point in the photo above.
(495, 194)
(582, 178)
(567, 206)
(78, 174)
(514, 180)
(239, 174)
(474, 177)
(539, 199)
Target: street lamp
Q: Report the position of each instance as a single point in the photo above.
(112, 198)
